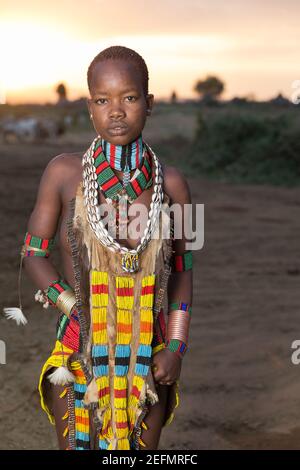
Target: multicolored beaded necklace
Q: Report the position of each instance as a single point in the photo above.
(107, 157)
(109, 182)
(124, 157)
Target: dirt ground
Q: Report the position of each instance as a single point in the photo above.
(238, 388)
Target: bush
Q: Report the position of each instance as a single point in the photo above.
(241, 147)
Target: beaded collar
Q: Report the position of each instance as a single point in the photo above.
(124, 157)
(110, 184)
(121, 156)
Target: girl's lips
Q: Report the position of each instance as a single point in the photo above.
(118, 130)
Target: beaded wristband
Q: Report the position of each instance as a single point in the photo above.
(177, 346)
(182, 262)
(36, 246)
(61, 295)
(180, 306)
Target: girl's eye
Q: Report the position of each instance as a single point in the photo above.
(99, 99)
(131, 96)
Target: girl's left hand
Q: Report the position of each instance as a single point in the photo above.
(166, 367)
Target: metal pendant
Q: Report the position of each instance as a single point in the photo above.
(126, 175)
(130, 262)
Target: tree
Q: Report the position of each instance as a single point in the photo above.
(173, 97)
(62, 93)
(210, 88)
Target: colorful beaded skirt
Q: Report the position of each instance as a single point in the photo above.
(78, 418)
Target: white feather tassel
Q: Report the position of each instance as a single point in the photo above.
(15, 313)
(61, 376)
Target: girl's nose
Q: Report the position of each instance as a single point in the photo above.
(116, 111)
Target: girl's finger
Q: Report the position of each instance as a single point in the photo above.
(163, 379)
(159, 376)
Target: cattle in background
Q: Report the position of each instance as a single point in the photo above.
(30, 129)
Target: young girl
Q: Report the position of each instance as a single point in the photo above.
(111, 381)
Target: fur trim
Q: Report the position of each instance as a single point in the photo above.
(91, 394)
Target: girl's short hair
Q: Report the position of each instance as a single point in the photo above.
(121, 53)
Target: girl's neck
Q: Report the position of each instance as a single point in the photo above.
(125, 156)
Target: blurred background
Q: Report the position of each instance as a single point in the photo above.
(226, 80)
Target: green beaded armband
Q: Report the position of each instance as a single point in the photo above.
(180, 306)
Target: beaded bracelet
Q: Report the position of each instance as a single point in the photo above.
(180, 306)
(182, 262)
(177, 346)
(58, 294)
(36, 246)
(61, 295)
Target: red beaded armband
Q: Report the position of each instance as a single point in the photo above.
(182, 262)
(37, 246)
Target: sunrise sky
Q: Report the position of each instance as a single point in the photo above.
(252, 46)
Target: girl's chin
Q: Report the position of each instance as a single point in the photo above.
(118, 137)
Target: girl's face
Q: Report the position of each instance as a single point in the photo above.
(118, 100)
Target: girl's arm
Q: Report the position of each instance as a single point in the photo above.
(43, 223)
(180, 285)
(41, 230)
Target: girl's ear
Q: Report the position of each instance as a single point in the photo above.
(89, 106)
(150, 100)
(88, 102)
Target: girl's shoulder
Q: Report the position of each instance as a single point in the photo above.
(64, 165)
(66, 160)
(175, 184)
(61, 173)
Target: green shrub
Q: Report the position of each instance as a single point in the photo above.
(243, 147)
